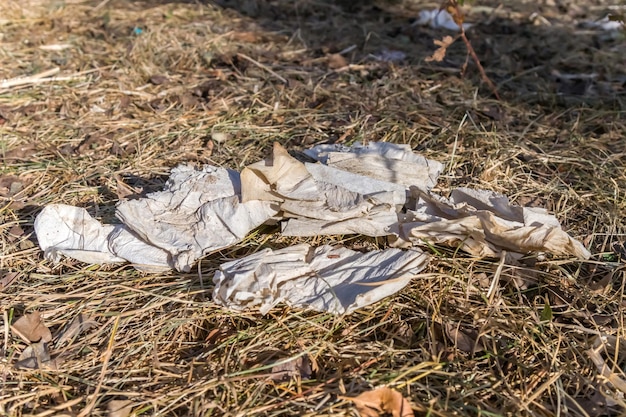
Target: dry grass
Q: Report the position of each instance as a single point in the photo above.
(143, 86)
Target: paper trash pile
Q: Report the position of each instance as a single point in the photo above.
(380, 189)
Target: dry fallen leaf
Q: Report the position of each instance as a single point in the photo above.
(336, 61)
(466, 340)
(298, 367)
(30, 327)
(443, 45)
(382, 401)
(36, 356)
(119, 408)
(10, 185)
(20, 153)
(7, 280)
(15, 233)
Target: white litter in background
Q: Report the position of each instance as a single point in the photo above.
(439, 19)
(326, 278)
(388, 55)
(604, 24)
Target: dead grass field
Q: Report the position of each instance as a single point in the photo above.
(125, 90)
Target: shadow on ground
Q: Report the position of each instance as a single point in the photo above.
(535, 53)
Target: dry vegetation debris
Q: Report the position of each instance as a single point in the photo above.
(100, 99)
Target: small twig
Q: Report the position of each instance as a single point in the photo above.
(263, 67)
(42, 77)
(483, 74)
(452, 7)
(107, 356)
(14, 82)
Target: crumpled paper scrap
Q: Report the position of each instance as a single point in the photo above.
(71, 231)
(384, 161)
(484, 223)
(197, 212)
(354, 190)
(326, 278)
(438, 19)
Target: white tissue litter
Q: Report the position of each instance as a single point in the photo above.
(439, 19)
(326, 278)
(484, 223)
(380, 189)
(355, 190)
(198, 212)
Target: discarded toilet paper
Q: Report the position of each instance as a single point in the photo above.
(326, 278)
(380, 189)
(197, 212)
(484, 223)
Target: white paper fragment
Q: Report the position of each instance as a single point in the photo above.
(384, 161)
(387, 55)
(605, 24)
(197, 212)
(71, 231)
(439, 19)
(484, 223)
(354, 190)
(330, 279)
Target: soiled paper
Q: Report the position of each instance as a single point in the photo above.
(484, 223)
(197, 212)
(326, 278)
(380, 189)
(354, 190)
(71, 231)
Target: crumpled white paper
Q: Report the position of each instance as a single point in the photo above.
(354, 190)
(438, 19)
(326, 278)
(197, 212)
(380, 189)
(484, 223)
(71, 231)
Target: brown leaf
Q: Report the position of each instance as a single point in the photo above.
(119, 408)
(80, 324)
(382, 401)
(336, 61)
(10, 185)
(30, 327)
(36, 356)
(250, 37)
(22, 152)
(298, 367)
(15, 233)
(443, 45)
(158, 79)
(7, 280)
(464, 339)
